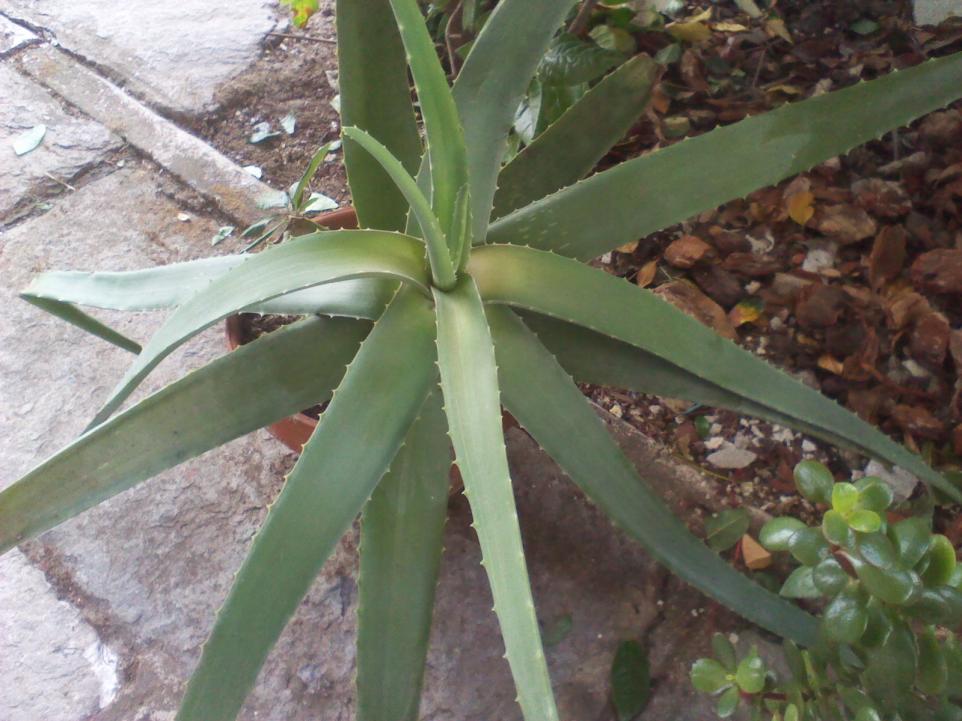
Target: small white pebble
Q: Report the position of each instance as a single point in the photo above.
(808, 446)
(753, 287)
(616, 411)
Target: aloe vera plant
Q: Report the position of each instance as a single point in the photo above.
(422, 324)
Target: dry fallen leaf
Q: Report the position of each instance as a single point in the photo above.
(692, 32)
(688, 298)
(775, 27)
(628, 247)
(831, 364)
(846, 223)
(747, 311)
(755, 555)
(646, 273)
(800, 207)
(887, 257)
(687, 251)
(728, 27)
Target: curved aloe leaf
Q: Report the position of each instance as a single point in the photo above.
(305, 180)
(304, 262)
(168, 286)
(569, 290)
(445, 140)
(442, 263)
(401, 535)
(375, 97)
(544, 399)
(356, 439)
(570, 147)
(648, 193)
(81, 320)
(494, 78)
(595, 358)
(292, 369)
(469, 381)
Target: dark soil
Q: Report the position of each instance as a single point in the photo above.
(293, 75)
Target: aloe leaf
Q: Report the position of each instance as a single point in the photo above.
(441, 257)
(168, 286)
(442, 127)
(489, 88)
(569, 290)
(596, 358)
(401, 535)
(668, 186)
(304, 262)
(469, 380)
(292, 368)
(570, 147)
(81, 320)
(375, 96)
(547, 403)
(308, 175)
(356, 439)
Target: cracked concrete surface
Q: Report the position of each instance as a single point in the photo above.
(173, 54)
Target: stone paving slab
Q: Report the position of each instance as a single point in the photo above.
(149, 568)
(227, 185)
(174, 54)
(13, 36)
(72, 143)
(932, 12)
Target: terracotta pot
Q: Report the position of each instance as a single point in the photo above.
(294, 431)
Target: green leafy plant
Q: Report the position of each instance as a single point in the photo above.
(892, 592)
(300, 208)
(496, 307)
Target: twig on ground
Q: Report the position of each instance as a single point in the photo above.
(312, 38)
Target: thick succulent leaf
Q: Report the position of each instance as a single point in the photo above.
(168, 286)
(304, 262)
(442, 257)
(548, 404)
(401, 535)
(570, 148)
(375, 97)
(357, 437)
(489, 88)
(469, 380)
(668, 186)
(85, 322)
(568, 290)
(292, 368)
(442, 127)
(596, 358)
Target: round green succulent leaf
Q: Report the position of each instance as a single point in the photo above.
(891, 585)
(932, 672)
(750, 675)
(844, 498)
(814, 481)
(941, 555)
(836, 529)
(809, 546)
(791, 713)
(709, 676)
(874, 494)
(724, 651)
(829, 577)
(727, 703)
(912, 537)
(865, 521)
(776, 535)
(877, 549)
(867, 713)
(800, 584)
(879, 625)
(845, 618)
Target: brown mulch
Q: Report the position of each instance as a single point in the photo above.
(848, 276)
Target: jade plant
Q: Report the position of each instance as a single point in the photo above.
(888, 645)
(466, 288)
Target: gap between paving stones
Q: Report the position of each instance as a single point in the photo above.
(218, 179)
